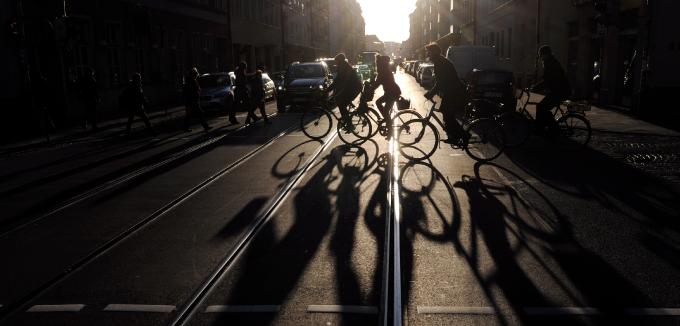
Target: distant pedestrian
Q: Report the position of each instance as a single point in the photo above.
(192, 103)
(89, 95)
(133, 101)
(242, 98)
(41, 96)
(258, 95)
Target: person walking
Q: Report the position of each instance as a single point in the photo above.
(192, 103)
(258, 95)
(242, 95)
(450, 89)
(133, 101)
(346, 87)
(41, 95)
(556, 87)
(385, 78)
(89, 95)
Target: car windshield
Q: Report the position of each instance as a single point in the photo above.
(214, 81)
(306, 71)
(493, 77)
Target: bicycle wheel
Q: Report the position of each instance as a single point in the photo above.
(316, 123)
(404, 116)
(516, 127)
(418, 139)
(359, 130)
(376, 120)
(486, 139)
(575, 131)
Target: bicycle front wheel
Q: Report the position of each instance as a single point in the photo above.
(316, 123)
(418, 139)
(358, 131)
(486, 139)
(516, 127)
(575, 130)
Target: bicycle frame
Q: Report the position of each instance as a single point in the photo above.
(557, 109)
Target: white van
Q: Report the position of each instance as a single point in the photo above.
(468, 57)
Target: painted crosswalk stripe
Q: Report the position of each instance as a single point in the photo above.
(456, 310)
(56, 308)
(139, 308)
(242, 308)
(342, 309)
(653, 311)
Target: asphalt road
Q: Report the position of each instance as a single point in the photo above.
(260, 225)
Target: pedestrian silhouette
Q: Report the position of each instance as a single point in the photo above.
(241, 93)
(41, 95)
(133, 101)
(192, 104)
(258, 95)
(89, 95)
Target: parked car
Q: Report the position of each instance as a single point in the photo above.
(304, 84)
(493, 84)
(217, 89)
(427, 76)
(420, 70)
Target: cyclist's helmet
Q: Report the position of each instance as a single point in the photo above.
(403, 103)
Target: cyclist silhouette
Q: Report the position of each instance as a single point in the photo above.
(554, 85)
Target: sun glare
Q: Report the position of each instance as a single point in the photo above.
(387, 18)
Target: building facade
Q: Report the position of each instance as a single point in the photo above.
(347, 29)
(262, 49)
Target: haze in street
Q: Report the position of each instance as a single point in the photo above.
(387, 18)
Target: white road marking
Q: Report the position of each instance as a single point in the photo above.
(242, 308)
(456, 310)
(562, 311)
(342, 309)
(652, 311)
(56, 308)
(139, 308)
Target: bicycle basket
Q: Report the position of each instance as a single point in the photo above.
(403, 103)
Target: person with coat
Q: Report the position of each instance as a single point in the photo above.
(90, 97)
(450, 89)
(556, 87)
(258, 95)
(192, 103)
(134, 101)
(346, 87)
(385, 78)
(242, 96)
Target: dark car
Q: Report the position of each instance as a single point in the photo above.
(305, 84)
(494, 85)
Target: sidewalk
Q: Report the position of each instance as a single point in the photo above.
(107, 128)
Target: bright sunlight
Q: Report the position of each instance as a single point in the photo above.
(387, 18)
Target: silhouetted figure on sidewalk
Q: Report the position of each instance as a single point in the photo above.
(450, 89)
(41, 95)
(133, 101)
(242, 98)
(258, 95)
(556, 87)
(192, 96)
(89, 94)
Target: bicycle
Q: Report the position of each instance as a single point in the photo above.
(317, 121)
(377, 119)
(483, 139)
(574, 128)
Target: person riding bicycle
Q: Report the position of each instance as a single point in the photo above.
(450, 88)
(556, 87)
(390, 87)
(346, 87)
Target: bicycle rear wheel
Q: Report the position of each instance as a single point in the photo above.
(486, 139)
(316, 123)
(575, 131)
(516, 127)
(359, 130)
(415, 142)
